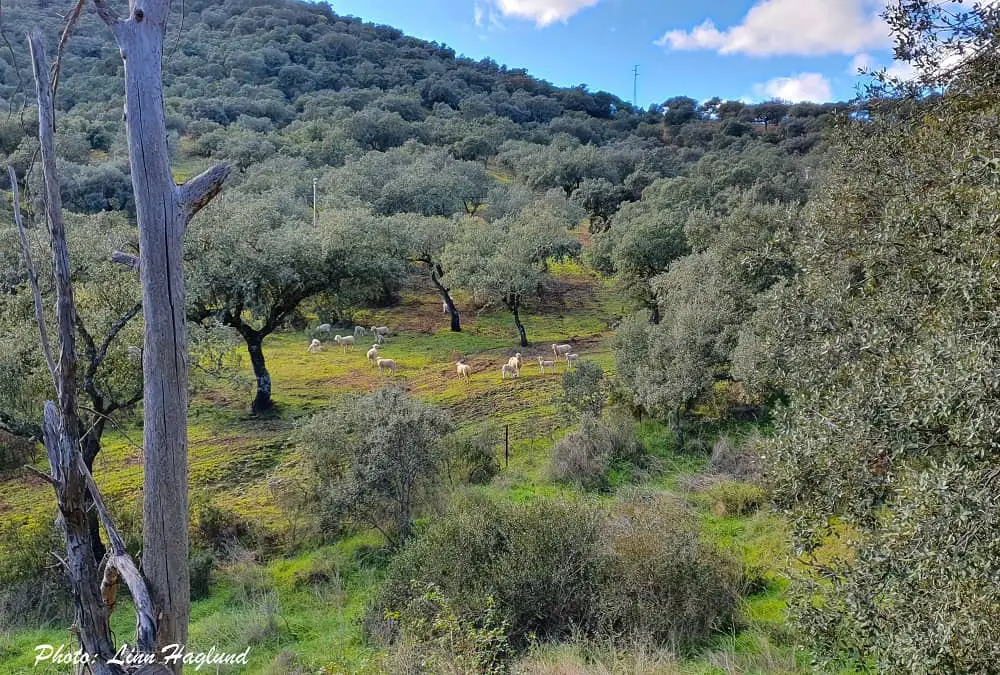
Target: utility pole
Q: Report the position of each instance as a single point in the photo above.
(315, 217)
(635, 85)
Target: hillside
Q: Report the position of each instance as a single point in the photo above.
(604, 516)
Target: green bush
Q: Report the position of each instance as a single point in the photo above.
(556, 568)
(583, 389)
(202, 563)
(219, 529)
(584, 457)
(474, 456)
(733, 498)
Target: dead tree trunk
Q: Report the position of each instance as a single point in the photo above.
(60, 428)
(163, 210)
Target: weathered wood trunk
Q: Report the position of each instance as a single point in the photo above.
(60, 422)
(163, 211)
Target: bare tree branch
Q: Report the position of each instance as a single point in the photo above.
(32, 275)
(71, 20)
(127, 259)
(108, 16)
(200, 190)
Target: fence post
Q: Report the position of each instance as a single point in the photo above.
(506, 446)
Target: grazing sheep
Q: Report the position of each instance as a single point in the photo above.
(315, 346)
(508, 369)
(516, 360)
(373, 355)
(572, 358)
(464, 370)
(380, 330)
(543, 364)
(324, 328)
(386, 364)
(379, 339)
(359, 331)
(559, 350)
(344, 342)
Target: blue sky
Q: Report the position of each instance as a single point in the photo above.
(741, 49)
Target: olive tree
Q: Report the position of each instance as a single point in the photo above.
(255, 257)
(503, 262)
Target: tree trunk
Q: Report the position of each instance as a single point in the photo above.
(163, 211)
(262, 401)
(520, 326)
(655, 315)
(90, 441)
(456, 324)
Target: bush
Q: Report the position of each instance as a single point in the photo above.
(202, 563)
(15, 452)
(219, 529)
(736, 459)
(583, 388)
(556, 568)
(584, 457)
(733, 498)
(375, 460)
(474, 455)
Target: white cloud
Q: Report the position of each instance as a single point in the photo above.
(803, 87)
(543, 12)
(796, 27)
(477, 15)
(862, 61)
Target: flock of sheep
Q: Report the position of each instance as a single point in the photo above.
(511, 369)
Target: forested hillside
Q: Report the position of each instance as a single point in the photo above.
(489, 375)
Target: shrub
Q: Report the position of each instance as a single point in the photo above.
(583, 389)
(15, 452)
(738, 460)
(584, 457)
(374, 460)
(219, 529)
(475, 455)
(440, 639)
(666, 584)
(733, 498)
(202, 563)
(556, 568)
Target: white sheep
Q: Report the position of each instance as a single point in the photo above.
(572, 358)
(135, 351)
(315, 346)
(324, 328)
(559, 350)
(543, 364)
(508, 369)
(373, 355)
(386, 364)
(516, 360)
(380, 330)
(359, 331)
(379, 339)
(464, 370)
(344, 342)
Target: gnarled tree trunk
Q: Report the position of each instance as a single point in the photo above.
(262, 402)
(163, 210)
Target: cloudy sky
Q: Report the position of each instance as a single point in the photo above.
(743, 49)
